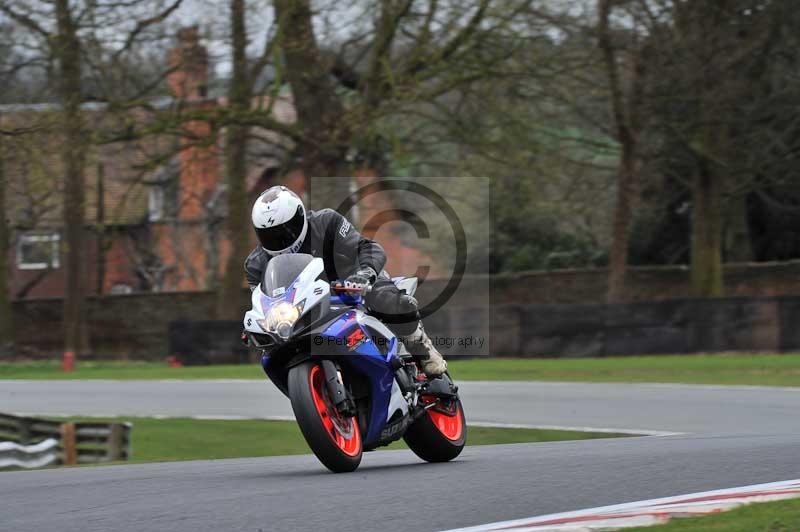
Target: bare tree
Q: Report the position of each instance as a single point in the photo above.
(626, 100)
(241, 91)
(326, 133)
(67, 53)
(411, 55)
(340, 96)
(714, 57)
(60, 35)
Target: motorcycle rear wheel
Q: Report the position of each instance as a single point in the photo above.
(333, 438)
(440, 434)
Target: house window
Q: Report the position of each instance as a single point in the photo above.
(121, 288)
(155, 203)
(38, 252)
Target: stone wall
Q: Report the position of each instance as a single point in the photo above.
(541, 313)
(659, 327)
(655, 283)
(123, 326)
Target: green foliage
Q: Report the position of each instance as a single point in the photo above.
(546, 249)
(529, 234)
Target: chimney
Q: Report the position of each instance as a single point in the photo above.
(188, 62)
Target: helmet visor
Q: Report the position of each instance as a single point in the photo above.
(280, 237)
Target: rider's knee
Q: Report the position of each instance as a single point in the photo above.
(394, 307)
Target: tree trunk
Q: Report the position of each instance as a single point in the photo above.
(326, 132)
(623, 215)
(68, 53)
(710, 143)
(738, 247)
(6, 317)
(229, 304)
(100, 229)
(627, 121)
(707, 278)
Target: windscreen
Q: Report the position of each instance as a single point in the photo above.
(282, 270)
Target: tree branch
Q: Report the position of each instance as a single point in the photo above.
(418, 62)
(143, 24)
(23, 19)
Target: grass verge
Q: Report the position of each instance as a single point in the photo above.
(158, 440)
(127, 370)
(778, 516)
(756, 369)
(762, 369)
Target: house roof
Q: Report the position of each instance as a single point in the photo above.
(42, 107)
(34, 169)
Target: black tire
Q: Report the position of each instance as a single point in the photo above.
(430, 444)
(319, 439)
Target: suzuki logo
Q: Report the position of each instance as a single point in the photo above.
(355, 339)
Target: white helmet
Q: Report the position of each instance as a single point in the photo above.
(279, 219)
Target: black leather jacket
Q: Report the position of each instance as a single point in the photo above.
(331, 237)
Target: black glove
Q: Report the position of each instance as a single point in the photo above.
(245, 339)
(361, 279)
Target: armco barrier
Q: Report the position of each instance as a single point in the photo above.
(40, 454)
(659, 327)
(207, 342)
(22, 439)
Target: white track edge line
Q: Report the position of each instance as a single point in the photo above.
(634, 432)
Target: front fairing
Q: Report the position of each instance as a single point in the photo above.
(306, 292)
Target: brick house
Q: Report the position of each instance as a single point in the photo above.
(114, 208)
(147, 229)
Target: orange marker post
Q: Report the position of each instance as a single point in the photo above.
(68, 362)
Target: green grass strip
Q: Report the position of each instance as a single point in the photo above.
(778, 516)
(158, 440)
(760, 369)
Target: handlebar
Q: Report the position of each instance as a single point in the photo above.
(339, 288)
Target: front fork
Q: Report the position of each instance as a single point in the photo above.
(336, 390)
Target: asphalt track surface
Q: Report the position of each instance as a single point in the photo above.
(731, 436)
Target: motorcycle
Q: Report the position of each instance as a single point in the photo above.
(352, 385)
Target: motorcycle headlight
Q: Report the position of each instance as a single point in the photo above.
(281, 317)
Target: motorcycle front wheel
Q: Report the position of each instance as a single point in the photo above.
(333, 438)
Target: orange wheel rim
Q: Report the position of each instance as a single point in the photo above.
(343, 431)
(449, 424)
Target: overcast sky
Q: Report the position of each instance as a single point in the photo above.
(335, 19)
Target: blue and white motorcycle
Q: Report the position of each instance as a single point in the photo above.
(352, 385)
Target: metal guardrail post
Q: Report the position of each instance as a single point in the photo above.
(116, 442)
(24, 430)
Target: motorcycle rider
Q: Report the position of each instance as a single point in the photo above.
(283, 225)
